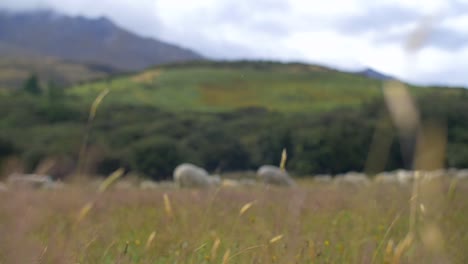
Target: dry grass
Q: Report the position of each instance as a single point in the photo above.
(310, 224)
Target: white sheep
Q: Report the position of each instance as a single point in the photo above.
(353, 178)
(189, 175)
(386, 177)
(29, 180)
(323, 178)
(273, 175)
(462, 174)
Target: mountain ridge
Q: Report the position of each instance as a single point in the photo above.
(86, 40)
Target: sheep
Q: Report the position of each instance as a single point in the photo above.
(29, 181)
(273, 175)
(247, 182)
(462, 174)
(354, 178)
(323, 178)
(230, 183)
(148, 185)
(189, 175)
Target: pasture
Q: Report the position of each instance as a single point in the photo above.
(311, 223)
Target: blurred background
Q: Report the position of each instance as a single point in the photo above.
(228, 85)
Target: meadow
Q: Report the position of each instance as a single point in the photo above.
(222, 87)
(312, 223)
(229, 117)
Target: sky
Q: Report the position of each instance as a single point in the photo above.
(420, 41)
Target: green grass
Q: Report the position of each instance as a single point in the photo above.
(204, 88)
(228, 86)
(317, 224)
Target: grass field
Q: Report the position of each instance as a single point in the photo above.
(313, 223)
(226, 87)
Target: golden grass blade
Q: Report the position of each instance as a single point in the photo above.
(84, 211)
(200, 247)
(284, 157)
(150, 239)
(214, 249)
(276, 239)
(96, 103)
(401, 106)
(245, 208)
(84, 144)
(167, 206)
(389, 252)
(226, 256)
(245, 250)
(404, 245)
(312, 253)
(110, 180)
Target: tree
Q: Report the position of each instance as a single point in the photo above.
(155, 157)
(31, 85)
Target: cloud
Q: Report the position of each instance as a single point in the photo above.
(348, 34)
(380, 18)
(440, 37)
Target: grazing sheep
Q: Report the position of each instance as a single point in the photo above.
(34, 181)
(354, 178)
(270, 174)
(248, 182)
(189, 175)
(462, 174)
(386, 177)
(3, 187)
(433, 175)
(230, 183)
(404, 176)
(148, 185)
(323, 178)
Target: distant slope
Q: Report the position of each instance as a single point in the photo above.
(224, 86)
(14, 71)
(18, 65)
(371, 73)
(83, 40)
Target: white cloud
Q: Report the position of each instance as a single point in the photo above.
(346, 34)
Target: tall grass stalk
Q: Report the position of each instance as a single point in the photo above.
(82, 160)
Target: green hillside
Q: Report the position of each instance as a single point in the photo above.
(227, 86)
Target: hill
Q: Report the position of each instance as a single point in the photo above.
(223, 116)
(226, 86)
(18, 65)
(83, 40)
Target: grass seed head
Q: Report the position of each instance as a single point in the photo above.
(214, 249)
(245, 208)
(284, 157)
(276, 239)
(226, 256)
(84, 211)
(167, 205)
(150, 240)
(110, 180)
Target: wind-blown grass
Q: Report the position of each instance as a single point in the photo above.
(310, 224)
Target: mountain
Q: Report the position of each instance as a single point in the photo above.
(96, 41)
(373, 74)
(16, 68)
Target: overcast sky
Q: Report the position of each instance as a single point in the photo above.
(422, 41)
